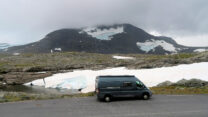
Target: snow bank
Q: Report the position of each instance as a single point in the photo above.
(85, 79)
(155, 33)
(16, 54)
(122, 57)
(152, 44)
(200, 50)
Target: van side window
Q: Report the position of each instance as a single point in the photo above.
(127, 84)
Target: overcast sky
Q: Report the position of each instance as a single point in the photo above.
(25, 21)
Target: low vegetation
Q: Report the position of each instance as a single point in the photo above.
(18, 69)
(22, 96)
(80, 60)
(163, 90)
(179, 90)
(182, 87)
(192, 86)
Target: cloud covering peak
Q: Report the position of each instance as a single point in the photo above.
(24, 21)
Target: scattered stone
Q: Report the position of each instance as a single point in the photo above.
(19, 78)
(166, 83)
(185, 83)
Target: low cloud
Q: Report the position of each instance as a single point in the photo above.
(24, 21)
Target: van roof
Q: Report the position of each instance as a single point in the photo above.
(116, 76)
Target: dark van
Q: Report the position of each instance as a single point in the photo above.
(109, 87)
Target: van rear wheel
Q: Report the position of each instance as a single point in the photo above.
(145, 96)
(107, 98)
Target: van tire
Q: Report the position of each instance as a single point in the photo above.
(107, 98)
(145, 96)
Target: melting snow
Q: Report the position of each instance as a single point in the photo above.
(152, 44)
(122, 57)
(155, 33)
(16, 54)
(105, 34)
(57, 49)
(85, 79)
(200, 50)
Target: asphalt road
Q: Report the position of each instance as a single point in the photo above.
(158, 106)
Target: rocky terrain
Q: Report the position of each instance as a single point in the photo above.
(119, 38)
(185, 83)
(182, 87)
(19, 69)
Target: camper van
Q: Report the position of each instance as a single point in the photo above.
(109, 87)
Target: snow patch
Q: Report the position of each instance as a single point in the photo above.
(200, 50)
(16, 54)
(152, 44)
(85, 79)
(4, 46)
(58, 49)
(104, 34)
(155, 33)
(43, 72)
(123, 57)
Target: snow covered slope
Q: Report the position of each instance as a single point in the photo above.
(4, 45)
(152, 44)
(85, 79)
(200, 50)
(123, 57)
(103, 33)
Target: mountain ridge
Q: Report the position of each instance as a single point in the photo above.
(107, 39)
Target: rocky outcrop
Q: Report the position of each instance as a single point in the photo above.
(18, 78)
(191, 83)
(185, 83)
(166, 83)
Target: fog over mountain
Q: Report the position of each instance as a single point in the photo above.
(25, 21)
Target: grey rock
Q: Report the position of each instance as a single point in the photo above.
(166, 83)
(18, 78)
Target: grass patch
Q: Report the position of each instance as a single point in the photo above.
(21, 96)
(172, 90)
(64, 60)
(183, 55)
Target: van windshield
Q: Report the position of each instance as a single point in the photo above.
(139, 84)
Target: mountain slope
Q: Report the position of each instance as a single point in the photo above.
(120, 38)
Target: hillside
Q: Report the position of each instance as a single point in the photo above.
(27, 67)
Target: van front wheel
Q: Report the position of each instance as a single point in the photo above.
(145, 96)
(107, 98)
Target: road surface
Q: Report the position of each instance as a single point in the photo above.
(158, 106)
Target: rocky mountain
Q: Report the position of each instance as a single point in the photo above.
(119, 38)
